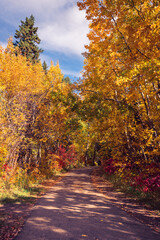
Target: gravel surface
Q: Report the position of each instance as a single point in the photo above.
(73, 209)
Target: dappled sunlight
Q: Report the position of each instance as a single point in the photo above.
(40, 219)
(43, 224)
(73, 209)
(47, 207)
(59, 230)
(70, 199)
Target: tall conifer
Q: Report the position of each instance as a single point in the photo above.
(28, 40)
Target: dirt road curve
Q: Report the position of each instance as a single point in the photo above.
(74, 210)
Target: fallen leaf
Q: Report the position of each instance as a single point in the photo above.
(120, 223)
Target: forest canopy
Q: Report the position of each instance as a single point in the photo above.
(110, 117)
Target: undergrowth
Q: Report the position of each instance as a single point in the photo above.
(26, 191)
(149, 199)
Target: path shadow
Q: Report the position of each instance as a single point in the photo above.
(74, 210)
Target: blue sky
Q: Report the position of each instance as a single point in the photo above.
(62, 29)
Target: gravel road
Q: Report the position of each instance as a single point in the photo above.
(74, 210)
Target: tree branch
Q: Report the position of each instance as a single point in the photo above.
(142, 53)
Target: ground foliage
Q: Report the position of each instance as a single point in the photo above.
(14, 212)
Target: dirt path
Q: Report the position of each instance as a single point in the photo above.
(74, 210)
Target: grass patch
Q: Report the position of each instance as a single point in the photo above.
(16, 194)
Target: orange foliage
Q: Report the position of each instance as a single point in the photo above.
(121, 80)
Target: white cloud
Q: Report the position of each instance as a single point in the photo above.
(61, 26)
(71, 73)
(67, 33)
(34, 5)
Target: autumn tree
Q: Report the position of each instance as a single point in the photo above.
(22, 88)
(37, 115)
(28, 40)
(121, 79)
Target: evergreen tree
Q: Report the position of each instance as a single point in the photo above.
(66, 80)
(28, 40)
(45, 67)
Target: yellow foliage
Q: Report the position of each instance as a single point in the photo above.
(121, 77)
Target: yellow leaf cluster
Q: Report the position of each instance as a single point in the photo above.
(121, 77)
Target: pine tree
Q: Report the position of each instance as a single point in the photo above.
(66, 80)
(45, 67)
(28, 40)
